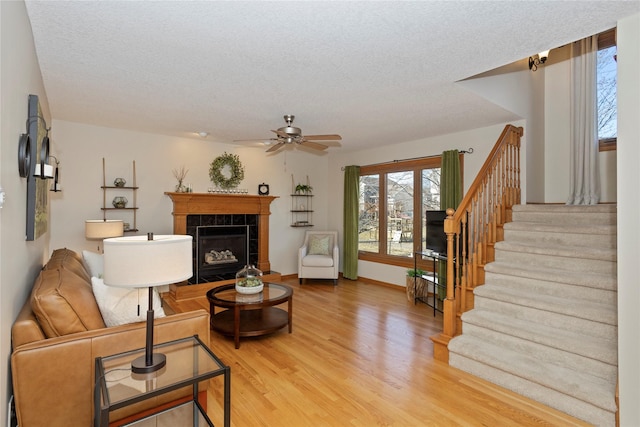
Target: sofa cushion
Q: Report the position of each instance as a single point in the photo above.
(69, 260)
(119, 306)
(63, 303)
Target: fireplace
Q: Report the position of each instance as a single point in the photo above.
(193, 210)
(220, 251)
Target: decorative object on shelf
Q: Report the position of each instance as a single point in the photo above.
(229, 191)
(263, 189)
(120, 202)
(226, 171)
(180, 175)
(301, 204)
(145, 261)
(303, 189)
(119, 182)
(249, 280)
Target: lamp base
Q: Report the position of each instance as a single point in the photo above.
(139, 365)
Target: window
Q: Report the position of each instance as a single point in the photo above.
(393, 199)
(606, 86)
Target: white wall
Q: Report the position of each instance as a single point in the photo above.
(558, 133)
(521, 92)
(81, 147)
(20, 260)
(481, 140)
(628, 154)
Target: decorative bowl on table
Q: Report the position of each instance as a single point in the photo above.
(249, 280)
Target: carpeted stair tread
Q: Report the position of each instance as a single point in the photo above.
(535, 315)
(581, 385)
(588, 310)
(569, 404)
(601, 349)
(601, 208)
(578, 252)
(593, 280)
(605, 229)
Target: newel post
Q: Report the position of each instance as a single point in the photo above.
(449, 310)
(449, 316)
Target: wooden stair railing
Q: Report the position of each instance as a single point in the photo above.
(473, 229)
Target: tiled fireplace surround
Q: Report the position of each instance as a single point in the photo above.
(196, 209)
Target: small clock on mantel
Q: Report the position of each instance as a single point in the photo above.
(263, 189)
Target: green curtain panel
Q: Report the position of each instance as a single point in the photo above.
(450, 180)
(351, 206)
(450, 197)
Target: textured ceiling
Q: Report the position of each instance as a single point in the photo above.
(375, 72)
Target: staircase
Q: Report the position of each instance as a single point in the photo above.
(544, 324)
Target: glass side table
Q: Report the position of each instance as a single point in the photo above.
(189, 362)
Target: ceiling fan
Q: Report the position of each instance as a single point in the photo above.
(290, 134)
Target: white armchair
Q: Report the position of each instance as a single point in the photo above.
(319, 256)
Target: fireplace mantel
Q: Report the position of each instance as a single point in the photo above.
(213, 203)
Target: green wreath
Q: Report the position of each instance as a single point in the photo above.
(217, 166)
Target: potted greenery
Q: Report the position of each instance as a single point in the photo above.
(303, 188)
(415, 283)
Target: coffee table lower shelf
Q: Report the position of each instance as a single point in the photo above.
(252, 323)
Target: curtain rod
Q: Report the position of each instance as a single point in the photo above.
(469, 151)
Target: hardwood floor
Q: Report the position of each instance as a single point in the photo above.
(359, 355)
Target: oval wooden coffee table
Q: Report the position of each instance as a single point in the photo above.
(250, 315)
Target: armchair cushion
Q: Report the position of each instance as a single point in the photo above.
(317, 261)
(319, 244)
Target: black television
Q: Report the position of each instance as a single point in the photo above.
(436, 239)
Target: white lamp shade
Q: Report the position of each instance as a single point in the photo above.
(99, 229)
(136, 262)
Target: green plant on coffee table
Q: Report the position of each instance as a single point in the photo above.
(250, 282)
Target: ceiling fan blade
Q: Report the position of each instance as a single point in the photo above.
(275, 147)
(252, 140)
(280, 133)
(314, 145)
(323, 137)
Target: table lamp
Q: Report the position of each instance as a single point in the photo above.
(147, 261)
(99, 229)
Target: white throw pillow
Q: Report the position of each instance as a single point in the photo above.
(95, 263)
(119, 306)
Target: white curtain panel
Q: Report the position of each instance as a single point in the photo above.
(584, 184)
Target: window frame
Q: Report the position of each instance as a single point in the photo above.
(606, 40)
(416, 165)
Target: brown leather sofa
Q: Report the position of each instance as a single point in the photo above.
(59, 333)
